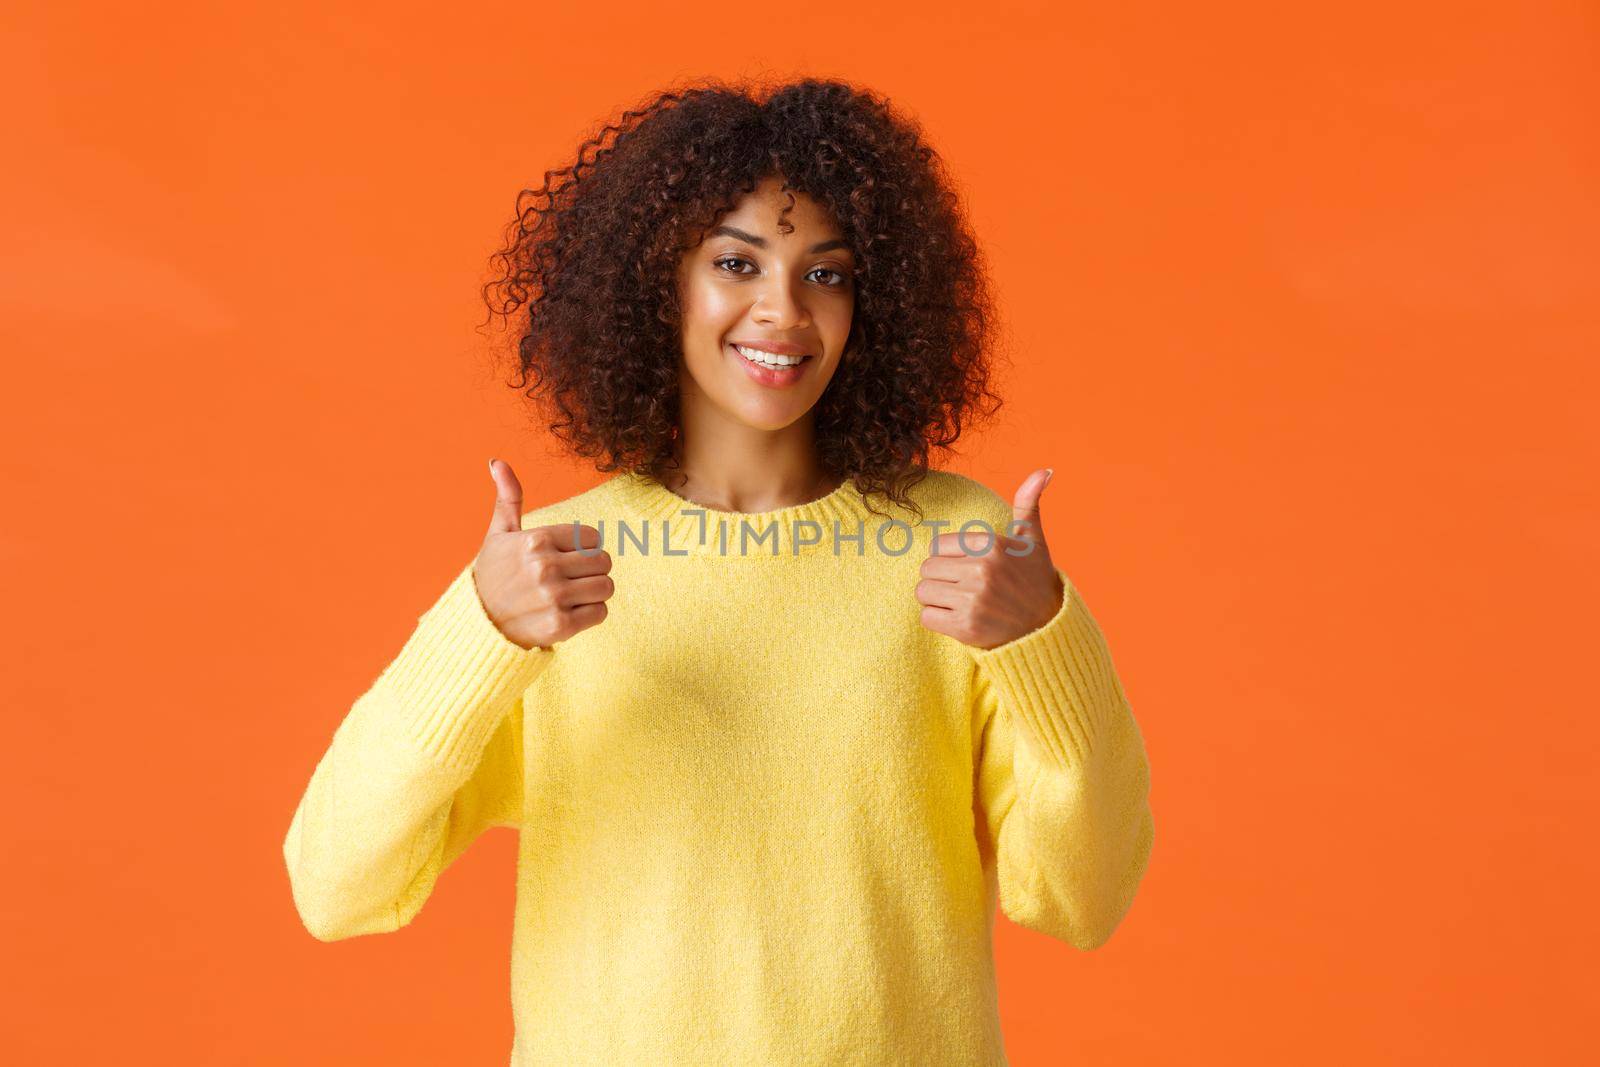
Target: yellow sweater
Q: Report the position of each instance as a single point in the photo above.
(765, 815)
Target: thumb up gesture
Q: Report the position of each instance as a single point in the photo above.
(1003, 590)
(534, 584)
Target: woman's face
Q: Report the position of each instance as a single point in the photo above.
(792, 293)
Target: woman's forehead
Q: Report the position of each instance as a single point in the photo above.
(757, 214)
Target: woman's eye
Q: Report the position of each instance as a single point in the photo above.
(720, 261)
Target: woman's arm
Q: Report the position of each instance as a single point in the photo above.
(427, 759)
(1063, 779)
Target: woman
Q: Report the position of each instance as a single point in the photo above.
(777, 732)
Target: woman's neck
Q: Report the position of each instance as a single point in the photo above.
(749, 479)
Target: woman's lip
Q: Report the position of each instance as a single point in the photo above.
(777, 348)
(768, 376)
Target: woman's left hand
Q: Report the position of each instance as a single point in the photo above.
(1005, 591)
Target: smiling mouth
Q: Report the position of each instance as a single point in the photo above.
(752, 356)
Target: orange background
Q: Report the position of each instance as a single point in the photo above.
(1303, 312)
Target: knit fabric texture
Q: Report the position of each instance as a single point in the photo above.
(765, 814)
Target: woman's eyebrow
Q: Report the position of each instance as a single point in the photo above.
(761, 242)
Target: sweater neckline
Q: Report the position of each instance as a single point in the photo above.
(696, 529)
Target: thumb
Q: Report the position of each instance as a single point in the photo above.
(508, 498)
(1025, 505)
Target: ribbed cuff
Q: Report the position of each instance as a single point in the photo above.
(458, 676)
(1057, 681)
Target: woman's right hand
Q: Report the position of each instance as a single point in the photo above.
(534, 584)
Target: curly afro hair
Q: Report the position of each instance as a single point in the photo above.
(591, 259)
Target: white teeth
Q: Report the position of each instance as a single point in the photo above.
(768, 359)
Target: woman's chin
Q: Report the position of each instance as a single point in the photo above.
(752, 403)
(767, 413)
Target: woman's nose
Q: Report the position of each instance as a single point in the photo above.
(777, 307)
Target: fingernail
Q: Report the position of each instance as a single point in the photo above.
(1049, 472)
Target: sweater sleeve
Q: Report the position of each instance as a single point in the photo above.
(1063, 779)
(428, 758)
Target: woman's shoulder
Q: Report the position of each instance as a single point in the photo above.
(583, 507)
(957, 498)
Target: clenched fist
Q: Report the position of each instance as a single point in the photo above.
(535, 585)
